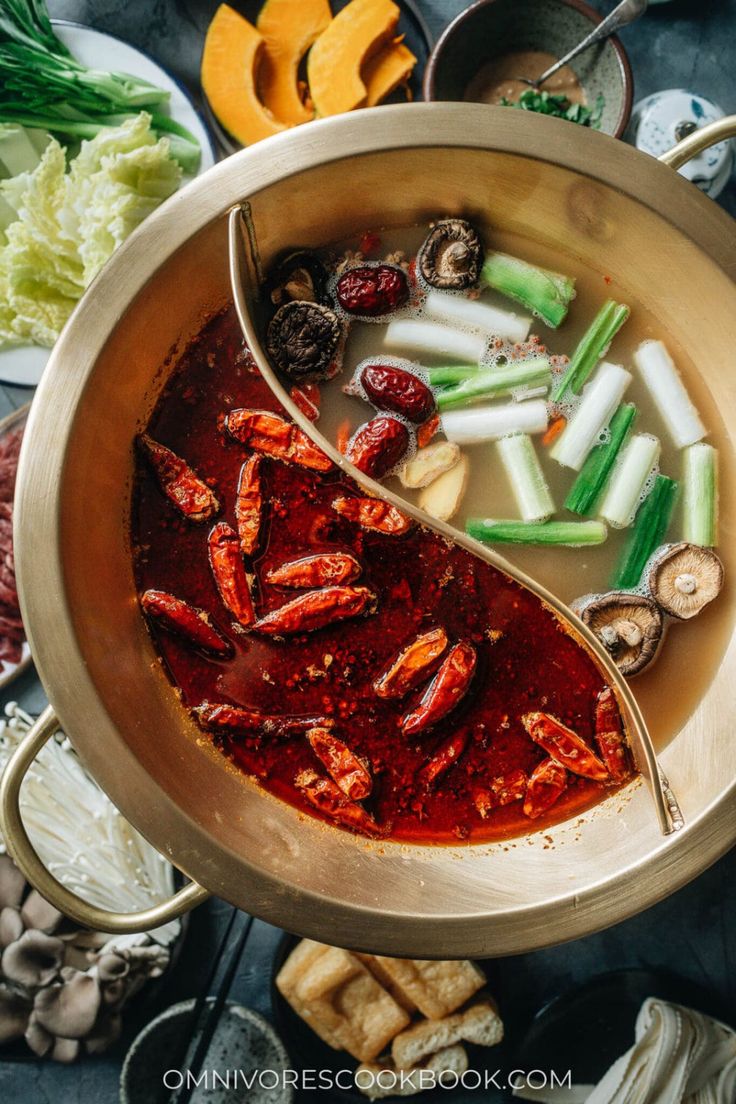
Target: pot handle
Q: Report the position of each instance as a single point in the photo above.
(26, 858)
(699, 140)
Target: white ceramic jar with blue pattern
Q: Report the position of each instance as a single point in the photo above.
(661, 120)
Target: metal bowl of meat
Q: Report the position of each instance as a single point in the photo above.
(133, 498)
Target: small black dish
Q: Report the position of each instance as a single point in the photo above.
(586, 1029)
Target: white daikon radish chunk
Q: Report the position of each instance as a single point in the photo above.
(526, 477)
(477, 315)
(488, 423)
(434, 339)
(668, 392)
(429, 463)
(628, 479)
(599, 400)
(442, 498)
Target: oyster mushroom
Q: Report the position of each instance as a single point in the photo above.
(300, 275)
(451, 255)
(11, 926)
(68, 1009)
(12, 883)
(303, 339)
(629, 626)
(65, 1050)
(38, 913)
(112, 967)
(14, 1012)
(684, 578)
(32, 960)
(38, 1038)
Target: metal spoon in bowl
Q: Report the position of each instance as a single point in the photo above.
(625, 12)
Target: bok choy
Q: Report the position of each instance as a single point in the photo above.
(43, 86)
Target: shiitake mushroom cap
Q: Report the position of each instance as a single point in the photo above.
(451, 255)
(303, 339)
(298, 274)
(683, 578)
(629, 626)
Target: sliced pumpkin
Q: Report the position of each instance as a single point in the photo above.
(288, 27)
(385, 71)
(233, 50)
(337, 57)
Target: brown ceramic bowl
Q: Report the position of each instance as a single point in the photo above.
(490, 28)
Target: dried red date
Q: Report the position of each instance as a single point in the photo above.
(564, 746)
(233, 720)
(228, 570)
(316, 609)
(411, 665)
(372, 290)
(343, 765)
(192, 624)
(446, 755)
(271, 434)
(609, 736)
(392, 388)
(329, 800)
(546, 783)
(322, 569)
(445, 691)
(181, 485)
(378, 446)
(372, 513)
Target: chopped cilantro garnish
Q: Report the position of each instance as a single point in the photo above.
(549, 103)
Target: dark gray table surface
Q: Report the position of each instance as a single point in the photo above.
(685, 43)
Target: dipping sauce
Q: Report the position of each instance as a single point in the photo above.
(495, 81)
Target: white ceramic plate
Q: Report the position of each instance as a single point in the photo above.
(24, 365)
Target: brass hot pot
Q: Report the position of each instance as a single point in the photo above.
(584, 193)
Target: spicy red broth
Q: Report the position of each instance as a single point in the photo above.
(525, 661)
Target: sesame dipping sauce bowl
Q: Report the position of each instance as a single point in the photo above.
(489, 30)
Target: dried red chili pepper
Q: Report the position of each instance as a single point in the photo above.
(372, 290)
(307, 398)
(329, 800)
(411, 665)
(189, 622)
(342, 436)
(392, 388)
(609, 736)
(546, 783)
(446, 755)
(426, 432)
(369, 242)
(500, 791)
(445, 691)
(249, 505)
(564, 746)
(233, 720)
(343, 765)
(372, 513)
(315, 609)
(181, 485)
(322, 569)
(273, 435)
(378, 446)
(228, 570)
